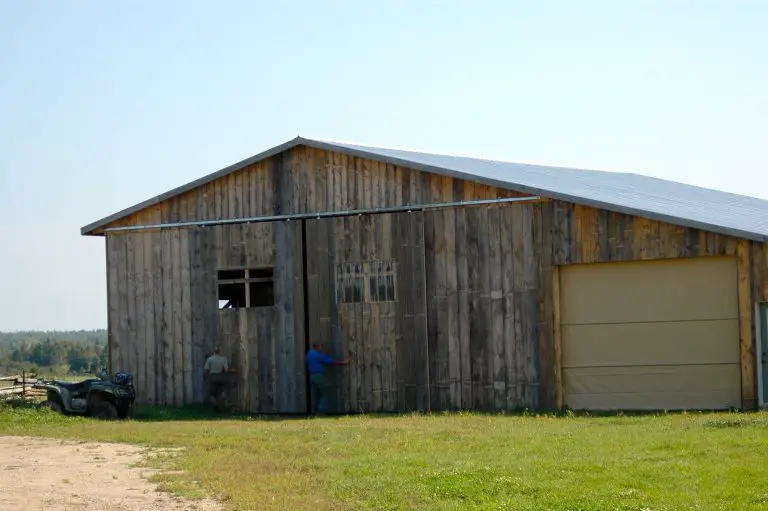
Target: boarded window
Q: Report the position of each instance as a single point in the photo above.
(366, 281)
(246, 287)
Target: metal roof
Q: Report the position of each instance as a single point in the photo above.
(668, 201)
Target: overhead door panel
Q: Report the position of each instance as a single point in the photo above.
(650, 334)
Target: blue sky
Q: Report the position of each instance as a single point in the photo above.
(105, 104)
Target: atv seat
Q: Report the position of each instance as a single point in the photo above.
(72, 386)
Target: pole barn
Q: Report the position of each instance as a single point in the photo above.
(451, 283)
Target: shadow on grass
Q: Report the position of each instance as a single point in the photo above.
(143, 413)
(200, 412)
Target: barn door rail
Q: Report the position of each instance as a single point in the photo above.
(325, 214)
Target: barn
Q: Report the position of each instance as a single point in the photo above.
(451, 283)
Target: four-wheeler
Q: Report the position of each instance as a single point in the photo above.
(95, 397)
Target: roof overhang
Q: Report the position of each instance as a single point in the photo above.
(96, 228)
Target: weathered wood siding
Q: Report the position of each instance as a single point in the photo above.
(489, 338)
(484, 290)
(492, 323)
(386, 340)
(307, 180)
(164, 317)
(582, 235)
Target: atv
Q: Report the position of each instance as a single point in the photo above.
(95, 397)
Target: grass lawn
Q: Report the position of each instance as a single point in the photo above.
(452, 461)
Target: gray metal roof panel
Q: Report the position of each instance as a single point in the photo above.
(683, 204)
(659, 199)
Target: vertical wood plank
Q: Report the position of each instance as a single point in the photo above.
(530, 308)
(255, 331)
(184, 284)
(486, 312)
(120, 357)
(283, 280)
(298, 402)
(433, 237)
(298, 175)
(452, 341)
(476, 330)
(420, 353)
(746, 338)
(197, 303)
(496, 360)
(462, 311)
(321, 175)
(254, 206)
(166, 352)
(208, 297)
(517, 301)
(114, 306)
(508, 290)
(140, 318)
(149, 316)
(404, 316)
(405, 185)
(558, 338)
(310, 177)
(243, 358)
(178, 332)
(132, 353)
(543, 256)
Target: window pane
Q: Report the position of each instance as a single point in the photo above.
(231, 274)
(262, 294)
(261, 273)
(232, 295)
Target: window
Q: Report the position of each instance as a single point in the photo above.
(252, 287)
(365, 281)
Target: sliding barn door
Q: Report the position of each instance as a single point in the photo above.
(261, 322)
(366, 301)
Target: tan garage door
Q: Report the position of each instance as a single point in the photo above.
(650, 335)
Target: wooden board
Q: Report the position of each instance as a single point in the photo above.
(388, 371)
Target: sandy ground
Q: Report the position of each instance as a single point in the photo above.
(41, 474)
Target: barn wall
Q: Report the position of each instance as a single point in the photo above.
(164, 317)
(385, 337)
(307, 180)
(489, 273)
(492, 325)
(487, 309)
(581, 234)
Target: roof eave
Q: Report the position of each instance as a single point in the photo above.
(737, 233)
(92, 229)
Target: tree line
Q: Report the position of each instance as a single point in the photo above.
(75, 352)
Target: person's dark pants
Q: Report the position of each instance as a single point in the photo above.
(216, 385)
(317, 385)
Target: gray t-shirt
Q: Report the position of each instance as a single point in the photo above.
(216, 364)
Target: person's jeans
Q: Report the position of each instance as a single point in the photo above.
(317, 382)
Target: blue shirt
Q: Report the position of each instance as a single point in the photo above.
(316, 359)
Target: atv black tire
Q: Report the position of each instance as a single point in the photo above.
(125, 412)
(52, 404)
(104, 410)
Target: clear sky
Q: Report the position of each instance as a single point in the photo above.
(105, 104)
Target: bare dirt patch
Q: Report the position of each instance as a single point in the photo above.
(55, 475)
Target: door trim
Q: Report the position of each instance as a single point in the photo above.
(761, 327)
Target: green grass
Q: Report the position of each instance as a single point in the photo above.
(445, 462)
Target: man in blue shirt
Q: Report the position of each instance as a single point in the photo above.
(316, 362)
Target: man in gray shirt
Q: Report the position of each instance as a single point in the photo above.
(216, 366)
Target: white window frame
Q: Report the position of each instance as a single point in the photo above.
(345, 274)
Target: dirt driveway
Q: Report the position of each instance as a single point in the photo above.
(41, 474)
